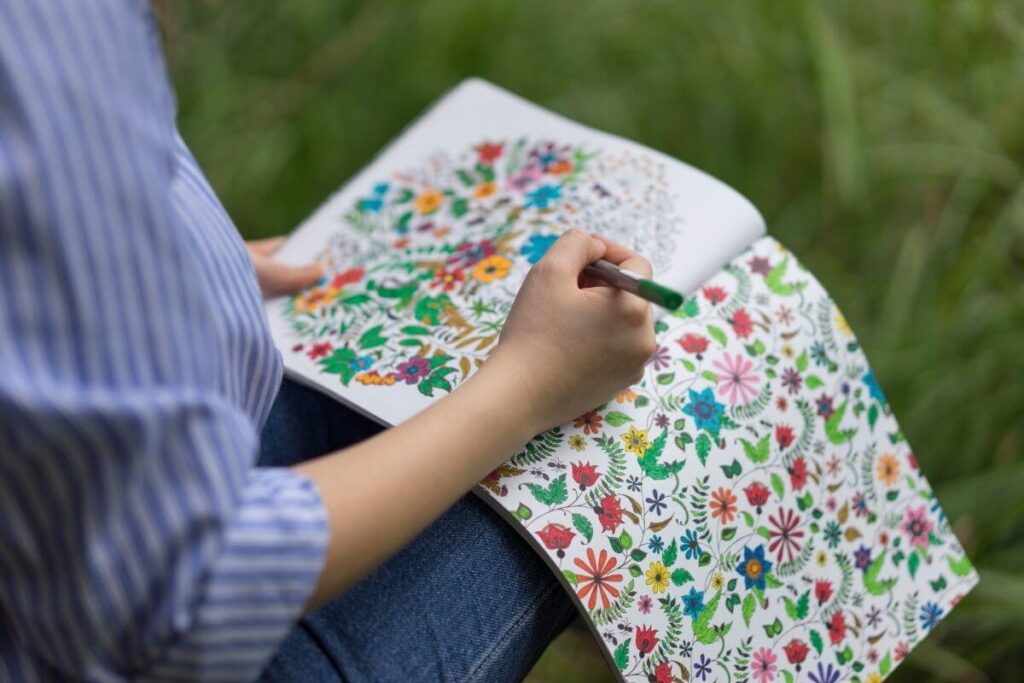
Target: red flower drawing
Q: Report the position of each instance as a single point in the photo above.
(595, 577)
(556, 537)
(757, 494)
(646, 639)
(585, 474)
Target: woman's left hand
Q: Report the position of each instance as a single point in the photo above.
(276, 278)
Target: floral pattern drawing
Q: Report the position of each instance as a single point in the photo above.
(425, 268)
(751, 510)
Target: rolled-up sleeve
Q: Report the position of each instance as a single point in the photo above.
(137, 540)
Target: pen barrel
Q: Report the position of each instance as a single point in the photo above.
(615, 276)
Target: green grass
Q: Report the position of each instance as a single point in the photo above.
(883, 141)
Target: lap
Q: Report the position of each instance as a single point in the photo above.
(467, 600)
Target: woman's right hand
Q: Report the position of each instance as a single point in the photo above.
(569, 348)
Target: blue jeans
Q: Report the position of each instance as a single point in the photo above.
(467, 600)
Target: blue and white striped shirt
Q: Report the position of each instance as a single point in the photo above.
(137, 539)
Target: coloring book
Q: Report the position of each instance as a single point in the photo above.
(750, 510)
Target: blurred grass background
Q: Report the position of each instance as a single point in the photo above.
(884, 143)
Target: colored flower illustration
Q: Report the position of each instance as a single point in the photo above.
(723, 505)
(930, 615)
(735, 381)
(784, 534)
(449, 278)
(741, 323)
(690, 544)
(916, 527)
(693, 343)
(646, 639)
(556, 537)
(762, 666)
(656, 502)
(659, 360)
(595, 578)
(491, 268)
(705, 410)
(636, 441)
(413, 370)
(489, 152)
(796, 651)
(693, 603)
(610, 513)
(888, 470)
(589, 422)
(658, 577)
(537, 246)
(584, 474)
(429, 201)
(754, 567)
(757, 494)
(543, 196)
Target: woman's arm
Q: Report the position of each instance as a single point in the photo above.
(563, 350)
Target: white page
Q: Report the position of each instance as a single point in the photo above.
(686, 222)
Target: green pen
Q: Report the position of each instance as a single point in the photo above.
(635, 284)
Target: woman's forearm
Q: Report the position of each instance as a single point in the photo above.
(382, 492)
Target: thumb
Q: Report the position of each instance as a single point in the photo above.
(277, 278)
(574, 251)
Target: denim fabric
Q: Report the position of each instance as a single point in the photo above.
(467, 600)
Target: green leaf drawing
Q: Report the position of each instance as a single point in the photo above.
(372, 338)
(622, 655)
(803, 605)
(717, 334)
(703, 447)
(554, 494)
(872, 583)
(801, 362)
(759, 453)
(885, 666)
(913, 562)
(832, 431)
(702, 629)
(617, 419)
(778, 485)
(681, 576)
(570, 576)
(961, 567)
(583, 526)
(668, 558)
(816, 643)
(749, 606)
(773, 280)
(649, 462)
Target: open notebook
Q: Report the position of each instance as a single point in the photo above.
(751, 509)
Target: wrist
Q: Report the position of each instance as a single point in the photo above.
(503, 382)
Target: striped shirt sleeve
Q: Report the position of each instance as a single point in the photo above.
(136, 538)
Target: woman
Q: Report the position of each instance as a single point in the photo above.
(147, 529)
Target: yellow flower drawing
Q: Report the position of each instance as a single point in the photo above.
(636, 441)
(492, 268)
(657, 577)
(429, 201)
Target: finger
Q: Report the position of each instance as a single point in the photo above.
(265, 247)
(624, 257)
(277, 278)
(573, 251)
